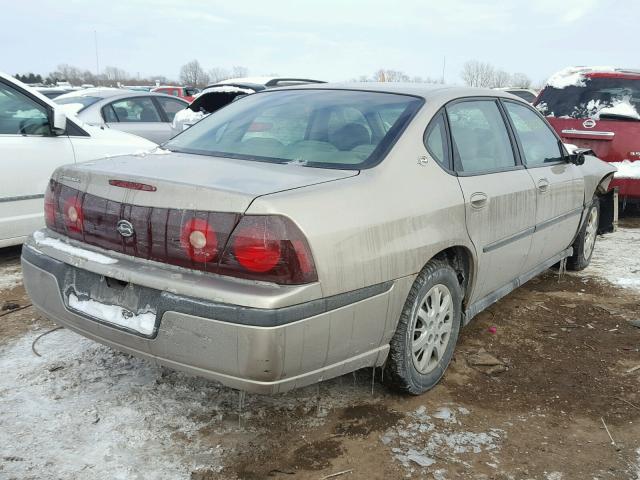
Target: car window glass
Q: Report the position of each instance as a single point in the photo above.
(306, 127)
(138, 109)
(480, 137)
(339, 118)
(171, 106)
(435, 139)
(19, 115)
(539, 145)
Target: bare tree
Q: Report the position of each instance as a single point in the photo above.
(114, 75)
(385, 75)
(477, 74)
(520, 80)
(500, 79)
(239, 72)
(193, 74)
(217, 74)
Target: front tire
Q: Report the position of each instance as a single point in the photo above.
(586, 240)
(427, 331)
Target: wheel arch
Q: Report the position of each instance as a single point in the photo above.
(463, 261)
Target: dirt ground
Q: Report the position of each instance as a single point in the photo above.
(540, 385)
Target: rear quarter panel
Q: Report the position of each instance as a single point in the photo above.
(383, 224)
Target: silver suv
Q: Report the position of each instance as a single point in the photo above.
(302, 233)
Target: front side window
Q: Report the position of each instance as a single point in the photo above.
(539, 144)
(20, 115)
(480, 139)
(138, 109)
(317, 128)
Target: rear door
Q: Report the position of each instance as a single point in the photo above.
(139, 116)
(559, 184)
(30, 153)
(499, 193)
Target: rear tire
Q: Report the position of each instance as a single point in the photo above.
(586, 240)
(427, 331)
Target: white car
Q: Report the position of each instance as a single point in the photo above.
(36, 137)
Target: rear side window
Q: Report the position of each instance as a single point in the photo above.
(138, 109)
(436, 140)
(170, 106)
(539, 145)
(480, 139)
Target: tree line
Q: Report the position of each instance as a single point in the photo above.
(474, 74)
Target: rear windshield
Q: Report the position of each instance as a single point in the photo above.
(523, 94)
(84, 101)
(317, 128)
(620, 97)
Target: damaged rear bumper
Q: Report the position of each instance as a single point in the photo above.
(261, 350)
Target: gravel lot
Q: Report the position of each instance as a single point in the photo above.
(560, 367)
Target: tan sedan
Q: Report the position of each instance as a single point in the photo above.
(302, 233)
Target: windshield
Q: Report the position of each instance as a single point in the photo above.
(598, 97)
(84, 101)
(318, 128)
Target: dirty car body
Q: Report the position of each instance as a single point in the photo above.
(282, 240)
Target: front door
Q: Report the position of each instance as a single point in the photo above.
(559, 184)
(30, 154)
(499, 193)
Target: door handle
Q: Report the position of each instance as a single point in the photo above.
(479, 200)
(543, 185)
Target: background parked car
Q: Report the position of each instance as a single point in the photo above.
(599, 108)
(147, 115)
(186, 93)
(217, 95)
(35, 139)
(527, 94)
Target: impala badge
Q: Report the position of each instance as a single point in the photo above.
(125, 228)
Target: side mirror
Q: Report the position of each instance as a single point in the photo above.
(577, 157)
(59, 123)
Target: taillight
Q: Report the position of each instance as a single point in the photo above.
(50, 205)
(199, 240)
(72, 214)
(269, 248)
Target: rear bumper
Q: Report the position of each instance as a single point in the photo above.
(253, 349)
(627, 188)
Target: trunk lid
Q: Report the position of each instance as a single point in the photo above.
(186, 181)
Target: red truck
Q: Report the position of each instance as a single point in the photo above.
(599, 108)
(187, 93)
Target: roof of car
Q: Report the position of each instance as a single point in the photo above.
(423, 90)
(269, 81)
(107, 92)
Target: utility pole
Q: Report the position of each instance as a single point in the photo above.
(95, 41)
(444, 63)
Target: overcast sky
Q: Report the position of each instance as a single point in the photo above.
(329, 39)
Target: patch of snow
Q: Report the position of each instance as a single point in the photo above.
(42, 240)
(637, 467)
(421, 441)
(141, 322)
(10, 276)
(186, 118)
(553, 476)
(621, 108)
(574, 76)
(627, 169)
(613, 259)
(256, 80)
(227, 89)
